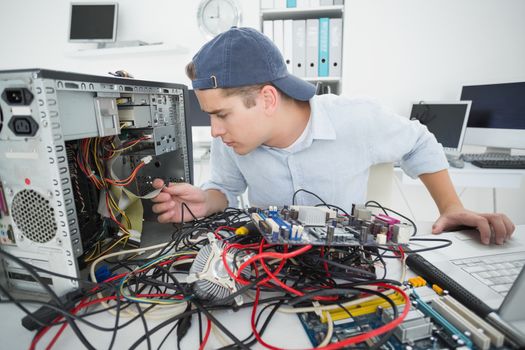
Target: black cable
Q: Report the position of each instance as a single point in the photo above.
(53, 295)
(385, 209)
(117, 318)
(448, 242)
(311, 193)
(219, 324)
(145, 324)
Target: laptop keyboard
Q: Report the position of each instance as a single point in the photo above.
(496, 271)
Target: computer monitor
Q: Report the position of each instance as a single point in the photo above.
(446, 120)
(196, 116)
(93, 22)
(497, 116)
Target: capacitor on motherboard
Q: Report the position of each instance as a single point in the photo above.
(284, 232)
(365, 231)
(330, 231)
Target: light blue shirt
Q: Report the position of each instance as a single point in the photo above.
(345, 137)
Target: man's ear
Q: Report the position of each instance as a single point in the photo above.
(271, 99)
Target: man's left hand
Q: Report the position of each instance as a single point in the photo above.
(487, 224)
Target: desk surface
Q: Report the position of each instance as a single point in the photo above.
(472, 176)
(285, 330)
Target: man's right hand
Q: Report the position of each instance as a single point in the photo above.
(169, 202)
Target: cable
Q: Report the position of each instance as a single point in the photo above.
(385, 210)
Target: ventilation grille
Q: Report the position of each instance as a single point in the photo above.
(212, 264)
(34, 216)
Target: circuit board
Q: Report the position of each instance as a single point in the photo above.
(421, 329)
(302, 225)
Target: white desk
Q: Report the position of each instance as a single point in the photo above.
(472, 176)
(285, 331)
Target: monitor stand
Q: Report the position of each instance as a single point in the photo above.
(498, 150)
(454, 159)
(128, 43)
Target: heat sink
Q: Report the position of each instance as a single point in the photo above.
(209, 276)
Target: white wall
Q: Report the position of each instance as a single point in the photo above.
(397, 51)
(34, 34)
(410, 50)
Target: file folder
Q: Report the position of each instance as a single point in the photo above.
(266, 4)
(299, 48)
(268, 29)
(324, 37)
(312, 47)
(288, 44)
(336, 46)
(278, 34)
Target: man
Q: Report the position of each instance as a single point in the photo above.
(273, 137)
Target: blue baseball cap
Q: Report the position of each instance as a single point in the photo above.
(245, 56)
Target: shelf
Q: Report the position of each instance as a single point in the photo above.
(324, 79)
(303, 13)
(143, 49)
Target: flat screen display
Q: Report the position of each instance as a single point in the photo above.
(445, 121)
(496, 106)
(93, 22)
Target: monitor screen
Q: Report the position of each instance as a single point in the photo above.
(446, 120)
(500, 106)
(196, 115)
(497, 116)
(93, 22)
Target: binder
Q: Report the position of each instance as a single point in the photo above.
(326, 2)
(266, 4)
(279, 4)
(299, 47)
(278, 34)
(288, 44)
(324, 37)
(315, 3)
(291, 3)
(336, 46)
(312, 47)
(339, 2)
(303, 4)
(268, 29)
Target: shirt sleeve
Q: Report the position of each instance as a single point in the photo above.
(225, 175)
(396, 138)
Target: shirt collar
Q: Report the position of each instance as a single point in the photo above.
(322, 127)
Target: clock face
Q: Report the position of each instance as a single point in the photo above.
(217, 16)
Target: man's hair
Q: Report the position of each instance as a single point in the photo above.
(248, 93)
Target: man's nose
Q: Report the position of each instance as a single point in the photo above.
(216, 128)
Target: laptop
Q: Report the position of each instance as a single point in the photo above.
(494, 274)
(447, 120)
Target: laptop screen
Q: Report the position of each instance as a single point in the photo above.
(447, 121)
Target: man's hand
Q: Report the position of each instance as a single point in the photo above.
(487, 224)
(169, 202)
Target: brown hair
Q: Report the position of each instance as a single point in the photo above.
(248, 93)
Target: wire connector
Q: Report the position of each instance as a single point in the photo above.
(147, 159)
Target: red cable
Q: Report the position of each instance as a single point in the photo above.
(208, 330)
(352, 340)
(325, 264)
(216, 232)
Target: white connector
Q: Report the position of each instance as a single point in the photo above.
(477, 336)
(495, 336)
(381, 238)
(402, 233)
(146, 159)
